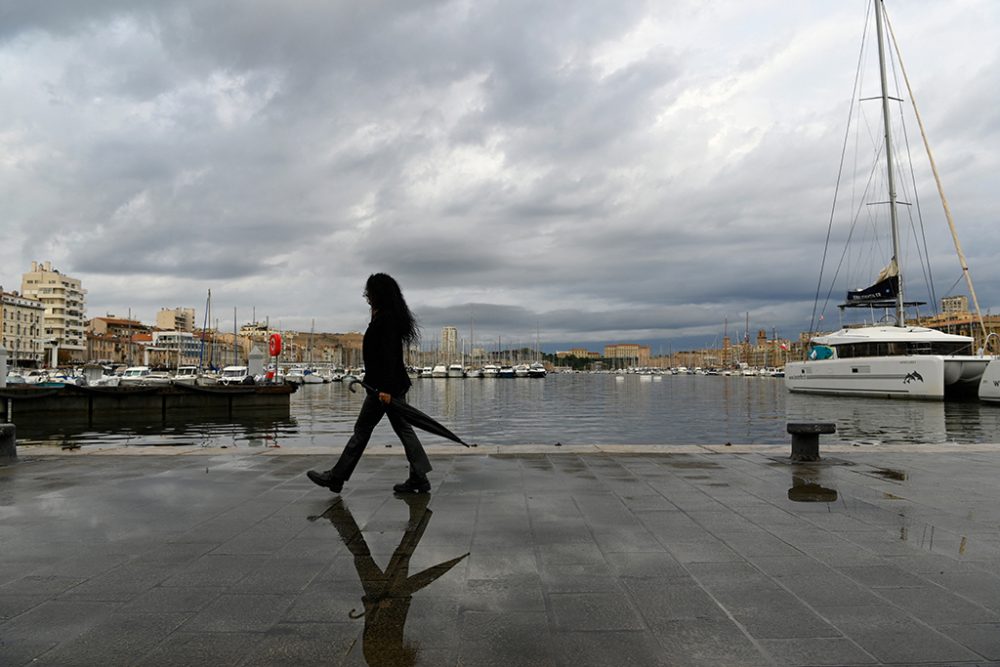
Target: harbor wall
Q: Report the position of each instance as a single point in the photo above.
(90, 402)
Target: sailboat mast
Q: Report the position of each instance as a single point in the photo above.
(900, 309)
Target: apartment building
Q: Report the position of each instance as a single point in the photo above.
(175, 319)
(22, 327)
(449, 343)
(64, 300)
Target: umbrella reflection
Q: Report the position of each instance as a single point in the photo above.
(387, 593)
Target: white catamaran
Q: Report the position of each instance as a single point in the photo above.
(891, 360)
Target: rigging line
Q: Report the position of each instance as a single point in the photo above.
(840, 171)
(957, 281)
(855, 220)
(937, 180)
(925, 258)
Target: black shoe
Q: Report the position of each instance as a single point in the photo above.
(413, 485)
(326, 479)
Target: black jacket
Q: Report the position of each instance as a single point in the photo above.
(382, 351)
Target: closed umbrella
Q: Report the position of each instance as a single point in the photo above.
(415, 417)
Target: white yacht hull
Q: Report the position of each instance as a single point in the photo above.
(927, 377)
(989, 384)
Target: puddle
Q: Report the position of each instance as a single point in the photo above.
(929, 538)
(693, 465)
(806, 488)
(812, 493)
(889, 473)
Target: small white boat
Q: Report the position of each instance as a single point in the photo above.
(456, 371)
(158, 377)
(473, 372)
(506, 372)
(521, 371)
(491, 371)
(34, 376)
(186, 375)
(312, 377)
(439, 371)
(301, 375)
(537, 370)
(232, 375)
(135, 376)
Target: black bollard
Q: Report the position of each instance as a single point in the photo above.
(805, 439)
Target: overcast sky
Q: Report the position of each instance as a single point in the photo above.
(580, 171)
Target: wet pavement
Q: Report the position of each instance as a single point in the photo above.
(676, 556)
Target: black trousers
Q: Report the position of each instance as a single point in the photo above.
(371, 414)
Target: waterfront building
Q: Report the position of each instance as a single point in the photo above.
(578, 352)
(627, 354)
(955, 318)
(175, 319)
(112, 339)
(449, 343)
(117, 326)
(64, 300)
(178, 347)
(106, 348)
(22, 327)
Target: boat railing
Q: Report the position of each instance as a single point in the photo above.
(986, 342)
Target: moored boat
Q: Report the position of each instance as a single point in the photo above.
(234, 375)
(890, 360)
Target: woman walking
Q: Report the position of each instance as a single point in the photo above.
(392, 326)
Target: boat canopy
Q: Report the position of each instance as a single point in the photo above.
(889, 334)
(889, 341)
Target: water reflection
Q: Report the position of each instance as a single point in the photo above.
(387, 592)
(571, 409)
(261, 428)
(808, 486)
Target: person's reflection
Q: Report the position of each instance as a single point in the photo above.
(387, 593)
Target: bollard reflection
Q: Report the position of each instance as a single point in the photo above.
(387, 593)
(807, 487)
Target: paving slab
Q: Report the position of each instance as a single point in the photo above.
(598, 555)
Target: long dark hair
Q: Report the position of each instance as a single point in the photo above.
(385, 297)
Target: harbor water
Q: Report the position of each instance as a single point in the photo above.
(569, 409)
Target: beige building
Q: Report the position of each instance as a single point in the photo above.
(22, 328)
(579, 353)
(628, 354)
(175, 319)
(64, 300)
(449, 344)
(112, 339)
(117, 326)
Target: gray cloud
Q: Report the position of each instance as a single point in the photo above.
(576, 171)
